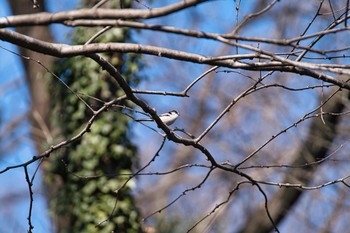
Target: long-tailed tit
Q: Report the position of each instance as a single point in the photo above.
(167, 118)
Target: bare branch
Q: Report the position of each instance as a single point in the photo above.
(59, 17)
(283, 64)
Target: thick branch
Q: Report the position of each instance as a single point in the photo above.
(99, 13)
(62, 50)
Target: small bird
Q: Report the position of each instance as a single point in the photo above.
(167, 118)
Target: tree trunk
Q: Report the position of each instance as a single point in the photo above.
(35, 76)
(40, 99)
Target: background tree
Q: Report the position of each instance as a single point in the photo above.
(84, 205)
(79, 204)
(261, 87)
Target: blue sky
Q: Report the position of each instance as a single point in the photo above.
(15, 101)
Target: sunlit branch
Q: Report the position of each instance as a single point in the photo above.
(282, 64)
(99, 13)
(305, 187)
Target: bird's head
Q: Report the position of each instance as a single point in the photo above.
(174, 112)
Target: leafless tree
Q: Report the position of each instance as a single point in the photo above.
(262, 89)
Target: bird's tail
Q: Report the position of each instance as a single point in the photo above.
(145, 119)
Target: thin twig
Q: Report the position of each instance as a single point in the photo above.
(29, 184)
(181, 195)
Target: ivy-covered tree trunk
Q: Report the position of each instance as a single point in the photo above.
(85, 174)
